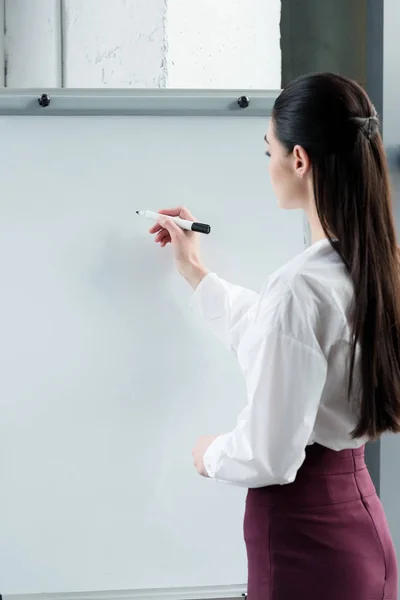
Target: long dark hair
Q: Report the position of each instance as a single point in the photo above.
(332, 118)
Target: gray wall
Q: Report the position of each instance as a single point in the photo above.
(320, 35)
(390, 447)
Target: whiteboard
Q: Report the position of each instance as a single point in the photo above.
(107, 376)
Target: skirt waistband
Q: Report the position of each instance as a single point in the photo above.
(325, 461)
(326, 477)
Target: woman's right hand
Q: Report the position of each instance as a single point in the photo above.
(185, 244)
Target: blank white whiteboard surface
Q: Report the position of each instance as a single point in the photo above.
(107, 377)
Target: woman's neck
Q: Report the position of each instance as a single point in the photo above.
(317, 232)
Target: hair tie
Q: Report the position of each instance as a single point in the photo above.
(368, 125)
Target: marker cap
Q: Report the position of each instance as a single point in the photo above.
(201, 228)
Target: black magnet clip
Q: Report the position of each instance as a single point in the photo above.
(44, 100)
(243, 101)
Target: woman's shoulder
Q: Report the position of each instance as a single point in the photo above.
(319, 266)
(306, 292)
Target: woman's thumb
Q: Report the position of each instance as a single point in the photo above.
(173, 229)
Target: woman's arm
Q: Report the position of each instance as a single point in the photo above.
(226, 308)
(284, 368)
(285, 372)
(284, 382)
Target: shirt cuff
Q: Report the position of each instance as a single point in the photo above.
(213, 455)
(205, 297)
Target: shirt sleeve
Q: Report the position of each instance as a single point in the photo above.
(227, 308)
(285, 378)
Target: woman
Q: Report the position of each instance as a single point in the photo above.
(320, 352)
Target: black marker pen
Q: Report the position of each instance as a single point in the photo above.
(182, 223)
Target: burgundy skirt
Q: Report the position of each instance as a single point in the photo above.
(322, 537)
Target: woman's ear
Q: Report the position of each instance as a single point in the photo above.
(302, 161)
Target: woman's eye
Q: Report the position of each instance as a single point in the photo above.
(268, 154)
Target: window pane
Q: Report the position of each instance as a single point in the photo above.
(224, 44)
(143, 43)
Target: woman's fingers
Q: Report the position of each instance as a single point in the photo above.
(185, 244)
(171, 212)
(163, 238)
(161, 235)
(155, 228)
(175, 232)
(179, 211)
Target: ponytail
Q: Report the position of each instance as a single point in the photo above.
(332, 118)
(364, 228)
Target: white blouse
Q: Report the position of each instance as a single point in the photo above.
(292, 343)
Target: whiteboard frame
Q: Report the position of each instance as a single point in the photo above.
(139, 102)
(234, 592)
